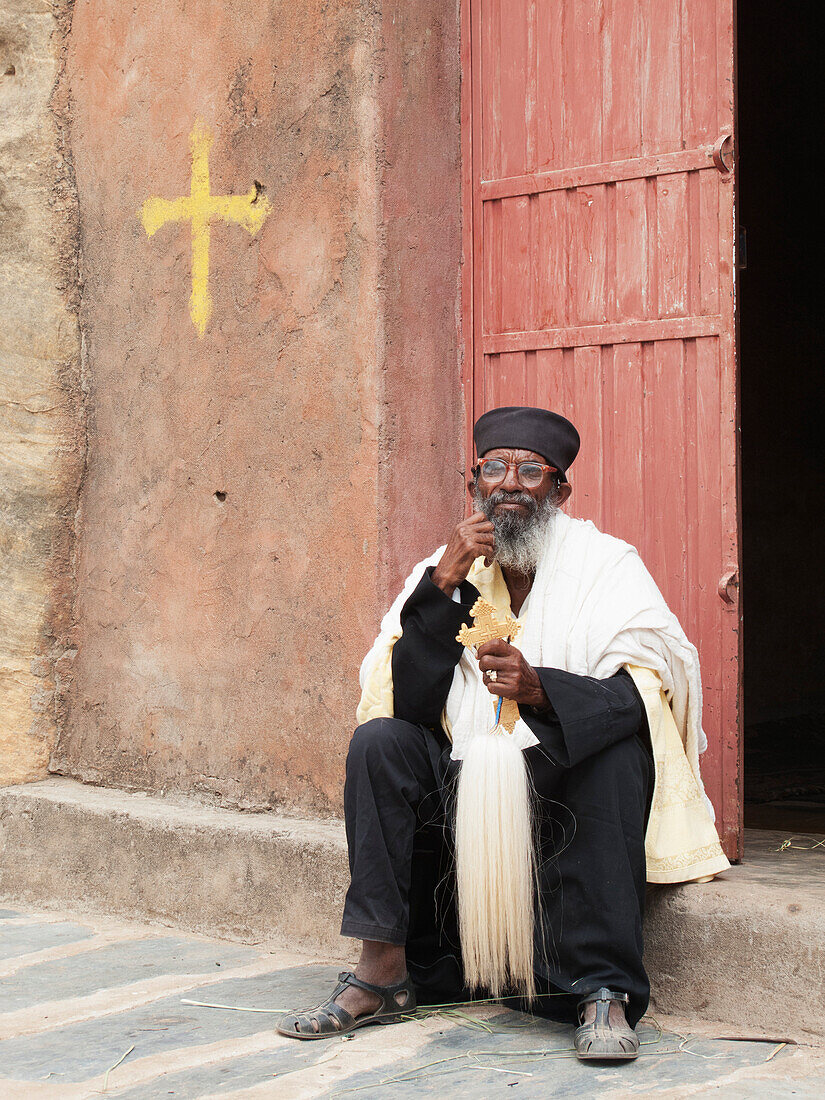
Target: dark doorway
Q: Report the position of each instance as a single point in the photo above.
(782, 368)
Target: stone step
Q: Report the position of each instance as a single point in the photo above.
(747, 949)
(215, 871)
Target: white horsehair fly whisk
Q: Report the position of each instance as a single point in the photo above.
(495, 853)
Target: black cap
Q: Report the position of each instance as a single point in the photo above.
(525, 428)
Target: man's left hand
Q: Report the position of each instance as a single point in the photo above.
(515, 678)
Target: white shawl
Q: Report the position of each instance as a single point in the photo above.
(593, 609)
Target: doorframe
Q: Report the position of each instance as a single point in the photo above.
(470, 141)
(737, 429)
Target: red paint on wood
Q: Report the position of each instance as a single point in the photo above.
(624, 332)
(603, 286)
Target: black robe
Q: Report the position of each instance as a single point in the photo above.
(592, 772)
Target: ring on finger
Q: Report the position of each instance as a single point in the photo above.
(492, 675)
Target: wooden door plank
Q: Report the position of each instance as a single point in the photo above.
(699, 75)
(477, 77)
(551, 261)
(549, 137)
(623, 332)
(661, 78)
(663, 476)
(515, 71)
(583, 376)
(582, 74)
(467, 235)
(632, 246)
(622, 138)
(492, 258)
(514, 292)
(691, 464)
(712, 640)
(672, 245)
(488, 22)
(629, 505)
(587, 209)
(531, 91)
(506, 378)
(709, 243)
(586, 175)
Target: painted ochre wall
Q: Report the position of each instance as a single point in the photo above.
(216, 639)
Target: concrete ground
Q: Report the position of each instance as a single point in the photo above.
(93, 1006)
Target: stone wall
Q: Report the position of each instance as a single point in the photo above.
(41, 418)
(253, 494)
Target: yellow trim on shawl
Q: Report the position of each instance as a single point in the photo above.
(681, 843)
(377, 697)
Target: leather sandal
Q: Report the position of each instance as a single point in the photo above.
(601, 1039)
(329, 1019)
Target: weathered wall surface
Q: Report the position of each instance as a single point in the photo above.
(234, 525)
(41, 436)
(422, 459)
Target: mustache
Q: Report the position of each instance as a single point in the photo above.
(501, 496)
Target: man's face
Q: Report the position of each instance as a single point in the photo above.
(509, 495)
(520, 514)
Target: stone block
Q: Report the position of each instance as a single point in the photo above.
(215, 871)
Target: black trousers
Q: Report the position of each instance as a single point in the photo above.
(592, 819)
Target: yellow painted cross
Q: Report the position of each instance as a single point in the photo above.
(486, 628)
(201, 208)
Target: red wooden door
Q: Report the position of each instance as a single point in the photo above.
(600, 234)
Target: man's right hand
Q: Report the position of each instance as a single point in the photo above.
(471, 539)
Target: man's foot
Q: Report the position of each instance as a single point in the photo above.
(355, 1003)
(604, 1033)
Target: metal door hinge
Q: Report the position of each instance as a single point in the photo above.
(727, 582)
(723, 154)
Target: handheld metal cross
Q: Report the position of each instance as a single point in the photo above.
(487, 628)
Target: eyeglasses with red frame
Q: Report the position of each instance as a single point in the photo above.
(529, 473)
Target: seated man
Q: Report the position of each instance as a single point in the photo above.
(610, 708)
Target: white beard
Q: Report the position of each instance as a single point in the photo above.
(520, 541)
